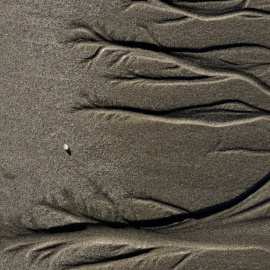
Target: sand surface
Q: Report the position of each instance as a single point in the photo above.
(165, 108)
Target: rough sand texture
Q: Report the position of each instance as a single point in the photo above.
(165, 108)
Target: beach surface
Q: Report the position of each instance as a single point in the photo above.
(164, 108)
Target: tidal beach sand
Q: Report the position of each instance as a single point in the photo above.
(165, 108)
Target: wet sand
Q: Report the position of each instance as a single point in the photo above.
(165, 107)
